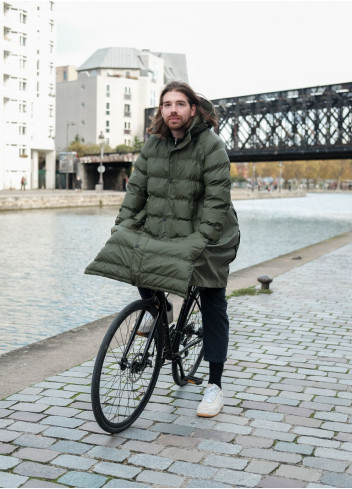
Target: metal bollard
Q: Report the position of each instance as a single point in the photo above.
(265, 280)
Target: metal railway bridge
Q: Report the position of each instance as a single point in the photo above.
(306, 123)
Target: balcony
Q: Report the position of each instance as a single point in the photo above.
(127, 131)
(127, 96)
(127, 114)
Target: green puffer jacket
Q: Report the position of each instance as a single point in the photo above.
(177, 226)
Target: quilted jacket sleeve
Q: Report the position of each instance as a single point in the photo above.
(136, 195)
(217, 199)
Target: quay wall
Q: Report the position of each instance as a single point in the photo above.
(42, 199)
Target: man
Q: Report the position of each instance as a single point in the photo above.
(177, 226)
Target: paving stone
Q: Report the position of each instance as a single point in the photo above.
(37, 483)
(36, 454)
(11, 480)
(276, 435)
(108, 453)
(150, 461)
(294, 448)
(344, 427)
(281, 482)
(205, 483)
(318, 442)
(214, 435)
(138, 434)
(74, 462)
(62, 421)
(261, 467)
(65, 433)
(73, 447)
(26, 416)
(124, 483)
(173, 429)
(271, 425)
(337, 480)
(268, 454)
(30, 407)
(263, 415)
(160, 479)
(332, 453)
(6, 448)
(219, 447)
(82, 479)
(225, 462)
(27, 427)
(192, 470)
(178, 441)
(33, 469)
(7, 462)
(254, 441)
(316, 432)
(116, 470)
(6, 436)
(237, 478)
(104, 440)
(325, 464)
(34, 441)
(301, 473)
(184, 454)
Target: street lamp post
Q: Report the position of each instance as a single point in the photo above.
(101, 168)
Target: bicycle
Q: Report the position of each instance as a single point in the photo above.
(127, 365)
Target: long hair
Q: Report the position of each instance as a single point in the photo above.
(158, 126)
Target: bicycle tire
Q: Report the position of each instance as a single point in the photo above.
(122, 384)
(191, 331)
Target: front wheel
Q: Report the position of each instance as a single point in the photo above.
(189, 343)
(126, 368)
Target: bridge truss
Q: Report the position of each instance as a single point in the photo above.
(308, 123)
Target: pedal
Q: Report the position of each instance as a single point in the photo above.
(194, 380)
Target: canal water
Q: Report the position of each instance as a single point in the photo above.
(43, 290)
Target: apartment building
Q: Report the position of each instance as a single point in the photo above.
(112, 89)
(27, 94)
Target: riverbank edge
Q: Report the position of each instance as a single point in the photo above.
(58, 199)
(30, 364)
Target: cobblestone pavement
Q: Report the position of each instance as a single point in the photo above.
(286, 420)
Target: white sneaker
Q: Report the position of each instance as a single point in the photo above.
(146, 327)
(212, 403)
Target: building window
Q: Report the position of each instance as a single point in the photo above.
(51, 68)
(108, 90)
(23, 85)
(51, 25)
(51, 47)
(127, 110)
(51, 111)
(83, 105)
(51, 5)
(127, 142)
(127, 93)
(83, 87)
(23, 40)
(23, 18)
(65, 75)
(83, 123)
(107, 126)
(22, 130)
(107, 110)
(23, 62)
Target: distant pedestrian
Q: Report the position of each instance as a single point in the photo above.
(78, 184)
(23, 183)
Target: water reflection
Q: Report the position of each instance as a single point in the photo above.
(44, 252)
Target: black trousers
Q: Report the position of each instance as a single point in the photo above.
(215, 322)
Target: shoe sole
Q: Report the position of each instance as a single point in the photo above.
(204, 415)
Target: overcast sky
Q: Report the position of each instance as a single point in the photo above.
(232, 47)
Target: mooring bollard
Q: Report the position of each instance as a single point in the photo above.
(265, 280)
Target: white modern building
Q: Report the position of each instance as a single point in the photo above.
(110, 93)
(27, 94)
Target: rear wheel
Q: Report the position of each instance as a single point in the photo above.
(190, 342)
(126, 368)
